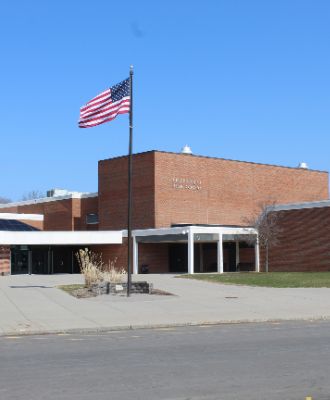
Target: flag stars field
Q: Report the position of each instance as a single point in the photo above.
(106, 106)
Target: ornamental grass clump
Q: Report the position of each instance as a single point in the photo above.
(89, 264)
(112, 274)
(96, 271)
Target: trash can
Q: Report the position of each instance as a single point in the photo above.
(144, 269)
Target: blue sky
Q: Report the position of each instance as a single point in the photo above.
(240, 79)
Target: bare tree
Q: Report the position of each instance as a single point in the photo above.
(267, 223)
(33, 194)
(4, 200)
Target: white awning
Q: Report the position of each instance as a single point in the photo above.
(20, 216)
(183, 230)
(60, 237)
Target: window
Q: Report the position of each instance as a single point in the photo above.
(92, 219)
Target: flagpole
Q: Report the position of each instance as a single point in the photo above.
(129, 214)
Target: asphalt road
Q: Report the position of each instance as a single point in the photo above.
(246, 361)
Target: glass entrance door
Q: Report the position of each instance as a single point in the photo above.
(19, 261)
(178, 257)
(40, 264)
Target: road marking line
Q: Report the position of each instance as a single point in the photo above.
(165, 329)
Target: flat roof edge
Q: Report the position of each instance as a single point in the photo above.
(217, 158)
(194, 229)
(300, 206)
(49, 199)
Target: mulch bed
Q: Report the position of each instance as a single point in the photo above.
(84, 293)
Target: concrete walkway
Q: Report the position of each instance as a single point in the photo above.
(33, 304)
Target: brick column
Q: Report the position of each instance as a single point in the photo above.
(4, 260)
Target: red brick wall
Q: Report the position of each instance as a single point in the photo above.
(35, 224)
(304, 241)
(155, 255)
(247, 255)
(57, 214)
(230, 191)
(113, 253)
(66, 214)
(4, 260)
(80, 209)
(113, 192)
(89, 205)
(9, 209)
(76, 214)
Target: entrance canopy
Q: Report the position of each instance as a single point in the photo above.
(192, 234)
(180, 233)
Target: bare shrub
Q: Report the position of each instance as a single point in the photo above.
(112, 274)
(91, 274)
(95, 270)
(33, 194)
(267, 223)
(89, 264)
(4, 200)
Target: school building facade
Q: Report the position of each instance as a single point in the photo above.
(190, 214)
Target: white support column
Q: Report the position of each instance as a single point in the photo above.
(237, 253)
(220, 254)
(190, 251)
(257, 257)
(135, 256)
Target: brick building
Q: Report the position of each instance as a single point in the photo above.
(190, 213)
(303, 241)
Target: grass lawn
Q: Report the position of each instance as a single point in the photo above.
(270, 279)
(71, 288)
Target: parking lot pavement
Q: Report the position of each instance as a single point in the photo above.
(34, 304)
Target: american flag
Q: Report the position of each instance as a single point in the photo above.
(106, 106)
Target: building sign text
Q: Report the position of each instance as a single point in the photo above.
(187, 183)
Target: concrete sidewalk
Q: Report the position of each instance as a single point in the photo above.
(33, 304)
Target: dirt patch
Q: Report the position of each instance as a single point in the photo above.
(160, 292)
(83, 293)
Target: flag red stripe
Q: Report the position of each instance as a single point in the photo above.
(95, 103)
(108, 107)
(114, 108)
(121, 110)
(104, 109)
(95, 108)
(99, 122)
(104, 106)
(106, 93)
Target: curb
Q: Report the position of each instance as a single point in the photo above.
(157, 326)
